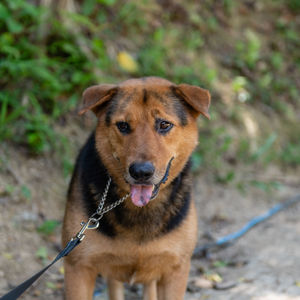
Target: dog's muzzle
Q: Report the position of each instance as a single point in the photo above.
(141, 193)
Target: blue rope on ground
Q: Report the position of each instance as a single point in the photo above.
(230, 238)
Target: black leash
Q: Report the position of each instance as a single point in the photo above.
(92, 223)
(20, 289)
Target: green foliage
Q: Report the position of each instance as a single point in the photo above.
(47, 58)
(263, 185)
(152, 55)
(291, 154)
(266, 68)
(9, 189)
(42, 254)
(44, 68)
(219, 264)
(265, 147)
(213, 150)
(48, 227)
(51, 285)
(40, 77)
(25, 192)
(294, 5)
(248, 52)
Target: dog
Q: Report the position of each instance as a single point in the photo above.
(146, 132)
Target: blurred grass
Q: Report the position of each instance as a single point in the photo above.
(245, 52)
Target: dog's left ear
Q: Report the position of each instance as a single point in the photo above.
(95, 96)
(194, 96)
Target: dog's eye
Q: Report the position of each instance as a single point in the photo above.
(163, 126)
(123, 127)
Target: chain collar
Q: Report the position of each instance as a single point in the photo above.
(94, 219)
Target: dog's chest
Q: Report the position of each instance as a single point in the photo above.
(137, 267)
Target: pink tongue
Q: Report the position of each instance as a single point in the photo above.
(141, 194)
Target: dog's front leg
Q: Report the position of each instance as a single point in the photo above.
(150, 291)
(173, 285)
(115, 289)
(79, 281)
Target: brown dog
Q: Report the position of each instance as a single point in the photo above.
(146, 132)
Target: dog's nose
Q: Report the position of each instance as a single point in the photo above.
(141, 170)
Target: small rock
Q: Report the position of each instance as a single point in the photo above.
(191, 288)
(202, 282)
(37, 293)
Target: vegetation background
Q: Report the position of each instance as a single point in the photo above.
(247, 53)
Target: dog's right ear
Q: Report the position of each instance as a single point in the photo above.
(197, 98)
(95, 96)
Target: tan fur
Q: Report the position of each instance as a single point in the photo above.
(161, 264)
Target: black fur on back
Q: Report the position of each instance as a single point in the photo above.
(151, 223)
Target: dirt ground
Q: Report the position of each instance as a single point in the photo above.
(263, 265)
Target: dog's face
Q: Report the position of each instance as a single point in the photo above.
(146, 131)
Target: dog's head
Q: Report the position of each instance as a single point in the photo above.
(146, 131)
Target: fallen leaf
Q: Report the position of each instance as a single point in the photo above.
(7, 255)
(127, 62)
(214, 277)
(50, 285)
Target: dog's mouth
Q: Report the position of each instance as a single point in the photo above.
(142, 194)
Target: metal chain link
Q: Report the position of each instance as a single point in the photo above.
(93, 222)
(115, 204)
(102, 201)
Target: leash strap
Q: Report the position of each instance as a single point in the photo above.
(92, 223)
(20, 289)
